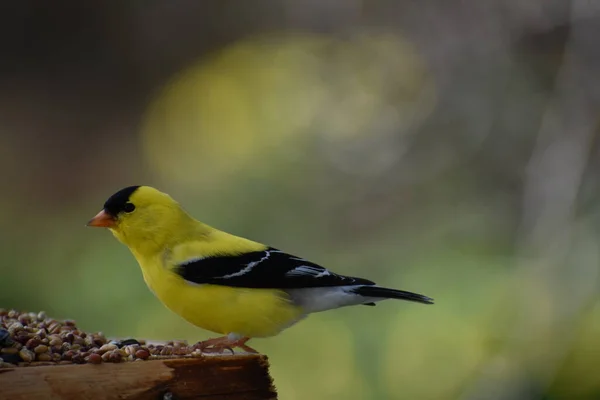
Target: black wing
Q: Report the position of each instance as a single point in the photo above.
(268, 269)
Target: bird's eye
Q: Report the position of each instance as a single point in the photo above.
(128, 207)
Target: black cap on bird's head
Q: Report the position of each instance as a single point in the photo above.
(119, 201)
(116, 204)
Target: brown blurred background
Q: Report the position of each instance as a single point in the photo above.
(446, 147)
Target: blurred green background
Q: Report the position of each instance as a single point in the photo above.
(445, 147)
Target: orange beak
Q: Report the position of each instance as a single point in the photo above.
(102, 220)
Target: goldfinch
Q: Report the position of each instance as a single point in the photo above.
(225, 283)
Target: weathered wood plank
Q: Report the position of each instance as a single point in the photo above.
(232, 377)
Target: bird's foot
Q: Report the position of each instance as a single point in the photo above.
(220, 344)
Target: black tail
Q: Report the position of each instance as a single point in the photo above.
(376, 291)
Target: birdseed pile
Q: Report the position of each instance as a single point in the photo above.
(30, 339)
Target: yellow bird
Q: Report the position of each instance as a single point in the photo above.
(225, 283)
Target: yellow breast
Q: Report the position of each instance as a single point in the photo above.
(222, 309)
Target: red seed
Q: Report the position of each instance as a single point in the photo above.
(115, 356)
(143, 354)
(94, 358)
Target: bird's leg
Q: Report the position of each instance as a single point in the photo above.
(241, 343)
(214, 345)
(217, 345)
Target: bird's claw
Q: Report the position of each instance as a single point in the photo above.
(214, 348)
(219, 345)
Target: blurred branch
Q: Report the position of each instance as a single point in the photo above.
(547, 238)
